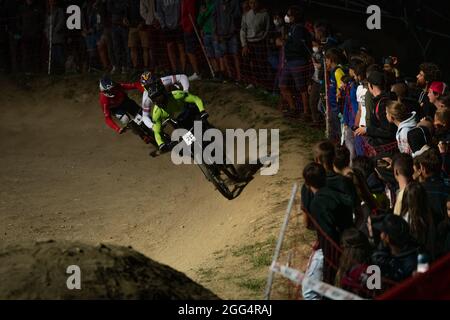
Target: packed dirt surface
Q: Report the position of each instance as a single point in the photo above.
(43, 271)
(67, 176)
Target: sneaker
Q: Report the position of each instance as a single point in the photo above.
(194, 77)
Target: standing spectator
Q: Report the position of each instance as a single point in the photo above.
(358, 70)
(205, 20)
(416, 211)
(397, 113)
(32, 24)
(444, 233)
(135, 23)
(397, 258)
(55, 28)
(119, 31)
(91, 30)
(379, 131)
(188, 14)
(168, 13)
(297, 61)
(442, 135)
(333, 213)
(429, 73)
(226, 26)
(149, 33)
(254, 30)
(105, 45)
(335, 59)
(402, 165)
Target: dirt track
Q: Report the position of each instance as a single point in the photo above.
(67, 176)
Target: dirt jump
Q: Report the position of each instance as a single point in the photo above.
(66, 176)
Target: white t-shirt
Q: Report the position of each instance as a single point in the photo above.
(361, 98)
(147, 103)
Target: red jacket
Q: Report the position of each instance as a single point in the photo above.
(120, 95)
(188, 7)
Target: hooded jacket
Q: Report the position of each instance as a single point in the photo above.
(402, 133)
(379, 129)
(168, 13)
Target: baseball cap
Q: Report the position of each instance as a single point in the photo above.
(395, 227)
(438, 87)
(377, 78)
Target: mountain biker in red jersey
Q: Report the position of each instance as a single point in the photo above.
(115, 102)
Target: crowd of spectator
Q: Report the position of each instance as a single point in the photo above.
(378, 191)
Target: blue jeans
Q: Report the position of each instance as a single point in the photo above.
(120, 45)
(314, 271)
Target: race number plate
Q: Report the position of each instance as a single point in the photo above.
(189, 138)
(138, 119)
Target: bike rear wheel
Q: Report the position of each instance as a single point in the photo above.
(213, 175)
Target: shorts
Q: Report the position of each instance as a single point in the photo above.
(144, 36)
(190, 42)
(134, 40)
(174, 35)
(228, 46)
(92, 40)
(211, 46)
(300, 71)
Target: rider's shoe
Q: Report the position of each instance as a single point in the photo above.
(194, 77)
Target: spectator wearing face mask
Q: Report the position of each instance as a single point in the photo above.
(297, 61)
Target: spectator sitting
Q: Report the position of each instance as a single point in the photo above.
(402, 165)
(397, 255)
(429, 73)
(427, 170)
(355, 259)
(397, 113)
(416, 211)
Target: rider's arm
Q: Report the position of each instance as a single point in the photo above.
(179, 78)
(132, 86)
(146, 107)
(157, 126)
(190, 98)
(108, 119)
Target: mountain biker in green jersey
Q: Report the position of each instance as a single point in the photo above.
(172, 104)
